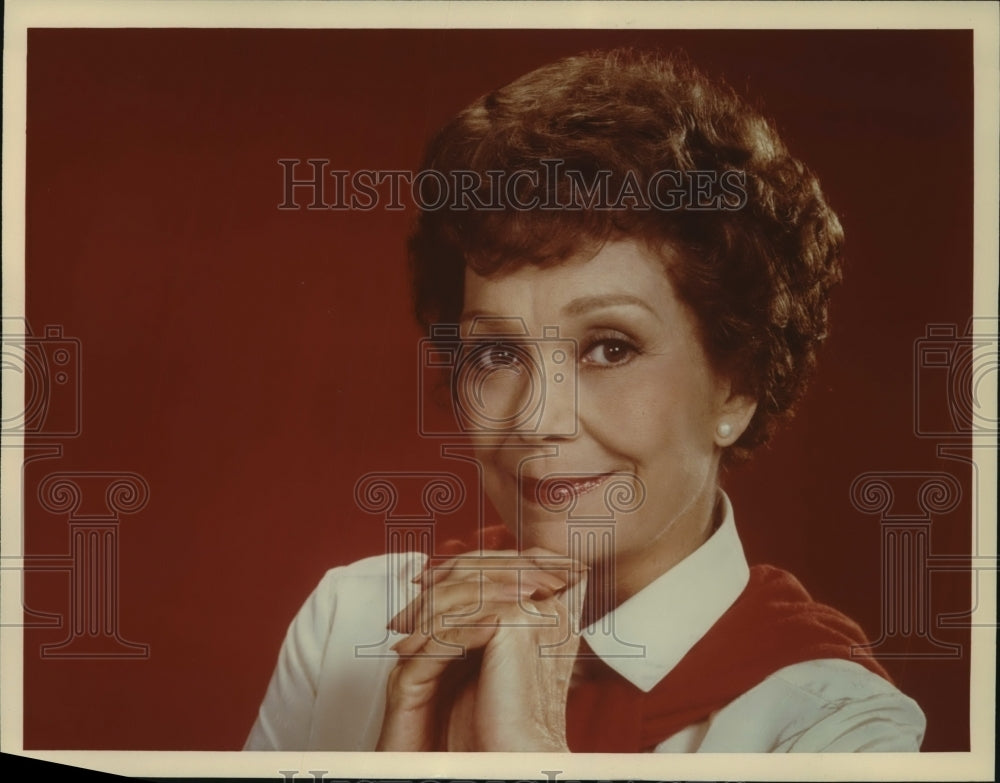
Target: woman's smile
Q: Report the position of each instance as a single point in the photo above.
(559, 489)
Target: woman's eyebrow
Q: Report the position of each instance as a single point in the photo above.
(471, 315)
(482, 322)
(585, 304)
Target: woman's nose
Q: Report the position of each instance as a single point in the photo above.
(558, 408)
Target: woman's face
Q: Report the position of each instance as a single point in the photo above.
(644, 408)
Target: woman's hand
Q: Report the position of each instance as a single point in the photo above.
(488, 657)
(518, 700)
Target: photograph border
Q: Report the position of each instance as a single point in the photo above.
(981, 17)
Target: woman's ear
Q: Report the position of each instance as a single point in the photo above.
(733, 416)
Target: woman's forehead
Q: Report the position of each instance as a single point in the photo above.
(622, 273)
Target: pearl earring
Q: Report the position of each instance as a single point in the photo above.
(725, 429)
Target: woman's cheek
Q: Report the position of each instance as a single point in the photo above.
(625, 418)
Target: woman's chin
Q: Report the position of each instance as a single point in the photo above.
(550, 534)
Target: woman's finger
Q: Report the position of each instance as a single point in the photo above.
(445, 644)
(451, 634)
(456, 598)
(502, 565)
(456, 589)
(415, 685)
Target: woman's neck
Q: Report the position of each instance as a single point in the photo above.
(611, 583)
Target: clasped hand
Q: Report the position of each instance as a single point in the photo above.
(488, 654)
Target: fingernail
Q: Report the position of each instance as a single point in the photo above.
(522, 590)
(394, 622)
(403, 646)
(550, 581)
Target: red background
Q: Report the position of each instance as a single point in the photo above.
(251, 364)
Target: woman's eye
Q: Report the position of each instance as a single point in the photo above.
(496, 356)
(607, 353)
(500, 355)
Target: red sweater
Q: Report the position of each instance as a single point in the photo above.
(774, 623)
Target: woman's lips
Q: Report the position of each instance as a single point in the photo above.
(558, 490)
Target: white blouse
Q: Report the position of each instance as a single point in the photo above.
(328, 688)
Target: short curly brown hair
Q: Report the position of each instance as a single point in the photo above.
(757, 277)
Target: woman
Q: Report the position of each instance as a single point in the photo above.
(641, 274)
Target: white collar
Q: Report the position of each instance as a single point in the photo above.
(647, 635)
